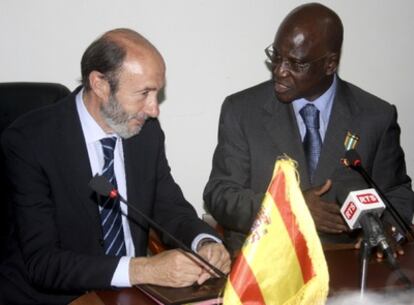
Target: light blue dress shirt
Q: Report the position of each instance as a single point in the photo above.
(324, 105)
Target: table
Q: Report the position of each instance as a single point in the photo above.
(343, 265)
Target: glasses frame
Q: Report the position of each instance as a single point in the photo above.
(295, 67)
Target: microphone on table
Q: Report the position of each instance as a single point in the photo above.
(353, 160)
(362, 208)
(103, 187)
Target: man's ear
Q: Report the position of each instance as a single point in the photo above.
(99, 85)
(332, 63)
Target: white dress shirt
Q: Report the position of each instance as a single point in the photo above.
(93, 133)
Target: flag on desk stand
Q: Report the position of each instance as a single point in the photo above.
(282, 260)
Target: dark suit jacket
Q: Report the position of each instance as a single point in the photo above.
(58, 222)
(255, 128)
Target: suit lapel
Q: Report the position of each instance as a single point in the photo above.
(74, 160)
(340, 122)
(135, 167)
(280, 124)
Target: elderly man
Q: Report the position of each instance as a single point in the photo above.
(305, 111)
(73, 240)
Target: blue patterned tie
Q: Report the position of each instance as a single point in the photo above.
(111, 219)
(312, 142)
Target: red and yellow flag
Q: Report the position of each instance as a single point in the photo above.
(282, 260)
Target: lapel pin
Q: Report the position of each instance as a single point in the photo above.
(351, 142)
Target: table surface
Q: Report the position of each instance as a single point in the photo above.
(344, 269)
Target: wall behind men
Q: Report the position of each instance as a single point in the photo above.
(212, 48)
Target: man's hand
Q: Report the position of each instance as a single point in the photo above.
(390, 233)
(173, 268)
(327, 216)
(217, 255)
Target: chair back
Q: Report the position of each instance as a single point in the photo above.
(18, 98)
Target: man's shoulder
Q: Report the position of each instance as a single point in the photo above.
(363, 98)
(45, 116)
(42, 125)
(264, 89)
(255, 96)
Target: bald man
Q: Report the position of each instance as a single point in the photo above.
(305, 111)
(71, 239)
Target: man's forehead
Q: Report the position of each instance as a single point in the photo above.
(133, 66)
(297, 39)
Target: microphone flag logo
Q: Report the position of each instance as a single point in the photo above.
(359, 203)
(368, 198)
(350, 210)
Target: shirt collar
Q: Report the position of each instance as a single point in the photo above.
(91, 130)
(323, 103)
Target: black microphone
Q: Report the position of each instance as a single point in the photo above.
(374, 232)
(353, 160)
(374, 236)
(102, 186)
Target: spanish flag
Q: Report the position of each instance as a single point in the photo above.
(282, 260)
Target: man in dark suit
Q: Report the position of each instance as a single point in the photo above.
(71, 239)
(305, 111)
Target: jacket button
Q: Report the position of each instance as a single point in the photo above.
(101, 241)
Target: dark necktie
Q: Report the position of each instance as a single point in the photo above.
(312, 142)
(111, 219)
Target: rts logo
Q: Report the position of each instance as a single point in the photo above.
(350, 210)
(367, 198)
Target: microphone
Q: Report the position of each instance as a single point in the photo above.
(353, 160)
(358, 204)
(103, 187)
(374, 232)
(362, 209)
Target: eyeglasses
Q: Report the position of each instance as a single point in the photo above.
(293, 66)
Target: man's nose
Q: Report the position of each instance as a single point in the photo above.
(152, 109)
(281, 69)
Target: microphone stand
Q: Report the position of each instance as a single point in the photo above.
(353, 160)
(374, 237)
(365, 255)
(103, 187)
(395, 215)
(169, 235)
(372, 227)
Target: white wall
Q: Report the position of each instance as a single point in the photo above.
(212, 48)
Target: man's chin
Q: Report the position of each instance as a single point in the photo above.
(126, 133)
(132, 132)
(284, 98)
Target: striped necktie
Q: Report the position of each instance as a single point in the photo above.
(312, 142)
(111, 219)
